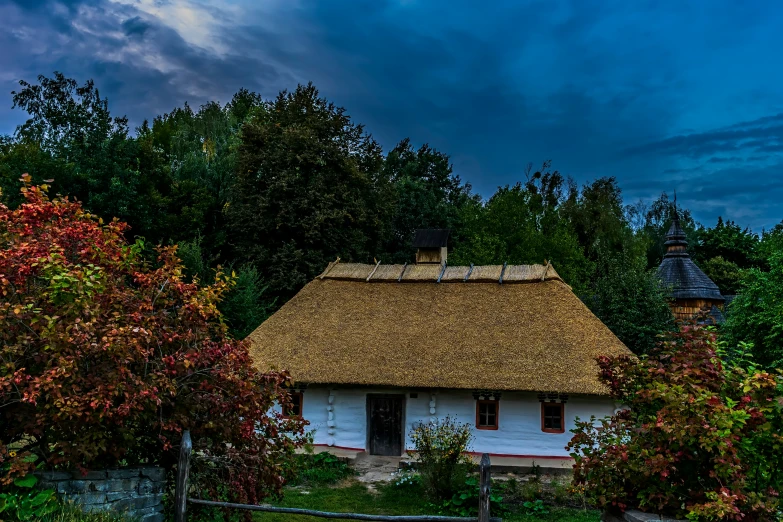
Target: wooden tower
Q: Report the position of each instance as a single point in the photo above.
(690, 288)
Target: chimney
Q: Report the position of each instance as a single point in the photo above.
(431, 245)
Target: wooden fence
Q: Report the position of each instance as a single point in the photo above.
(181, 499)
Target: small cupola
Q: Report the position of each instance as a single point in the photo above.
(431, 245)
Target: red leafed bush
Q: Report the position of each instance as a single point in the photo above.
(105, 359)
(701, 436)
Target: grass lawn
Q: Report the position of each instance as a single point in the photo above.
(353, 497)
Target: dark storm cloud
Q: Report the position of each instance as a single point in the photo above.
(600, 88)
(762, 135)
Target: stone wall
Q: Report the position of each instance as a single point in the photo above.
(135, 491)
(634, 515)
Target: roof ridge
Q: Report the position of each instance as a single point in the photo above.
(441, 273)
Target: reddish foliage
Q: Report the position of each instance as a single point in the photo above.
(105, 359)
(700, 437)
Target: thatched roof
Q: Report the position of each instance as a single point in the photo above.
(395, 325)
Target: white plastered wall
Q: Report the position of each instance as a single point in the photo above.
(519, 432)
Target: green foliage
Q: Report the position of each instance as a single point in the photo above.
(464, 502)
(726, 274)
(320, 469)
(23, 501)
(422, 193)
(702, 435)
(524, 224)
(756, 314)
(408, 480)
(245, 305)
(70, 512)
(441, 450)
(728, 241)
(535, 507)
(631, 301)
(653, 222)
(107, 359)
(304, 191)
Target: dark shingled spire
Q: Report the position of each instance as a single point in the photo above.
(678, 270)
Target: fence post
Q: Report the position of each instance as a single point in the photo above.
(183, 469)
(484, 485)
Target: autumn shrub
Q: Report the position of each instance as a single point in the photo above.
(700, 437)
(440, 449)
(105, 358)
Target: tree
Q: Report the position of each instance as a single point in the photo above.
(245, 306)
(423, 193)
(756, 314)
(72, 139)
(105, 358)
(523, 225)
(727, 275)
(700, 438)
(305, 190)
(631, 301)
(658, 220)
(727, 241)
(598, 217)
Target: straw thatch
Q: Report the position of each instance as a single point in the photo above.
(422, 273)
(531, 337)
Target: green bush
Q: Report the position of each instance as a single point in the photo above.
(701, 438)
(23, 501)
(464, 502)
(441, 454)
(321, 468)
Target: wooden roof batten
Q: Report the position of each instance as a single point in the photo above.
(408, 273)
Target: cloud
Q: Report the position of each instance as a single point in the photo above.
(600, 89)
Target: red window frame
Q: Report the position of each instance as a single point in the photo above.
(478, 415)
(300, 402)
(559, 405)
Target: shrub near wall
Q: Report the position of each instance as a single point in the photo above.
(106, 358)
(702, 438)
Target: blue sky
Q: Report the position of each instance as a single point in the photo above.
(665, 96)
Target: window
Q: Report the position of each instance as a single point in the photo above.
(487, 415)
(296, 405)
(552, 417)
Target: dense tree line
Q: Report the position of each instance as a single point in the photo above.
(275, 189)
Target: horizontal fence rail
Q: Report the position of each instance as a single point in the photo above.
(343, 516)
(181, 499)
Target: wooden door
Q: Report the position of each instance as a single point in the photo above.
(385, 424)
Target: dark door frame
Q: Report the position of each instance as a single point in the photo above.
(368, 416)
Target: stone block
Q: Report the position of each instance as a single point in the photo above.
(45, 484)
(94, 475)
(148, 510)
(99, 485)
(114, 496)
(154, 474)
(634, 515)
(123, 473)
(132, 504)
(78, 486)
(122, 484)
(152, 517)
(146, 487)
(53, 475)
(87, 498)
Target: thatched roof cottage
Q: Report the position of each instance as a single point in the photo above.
(375, 349)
